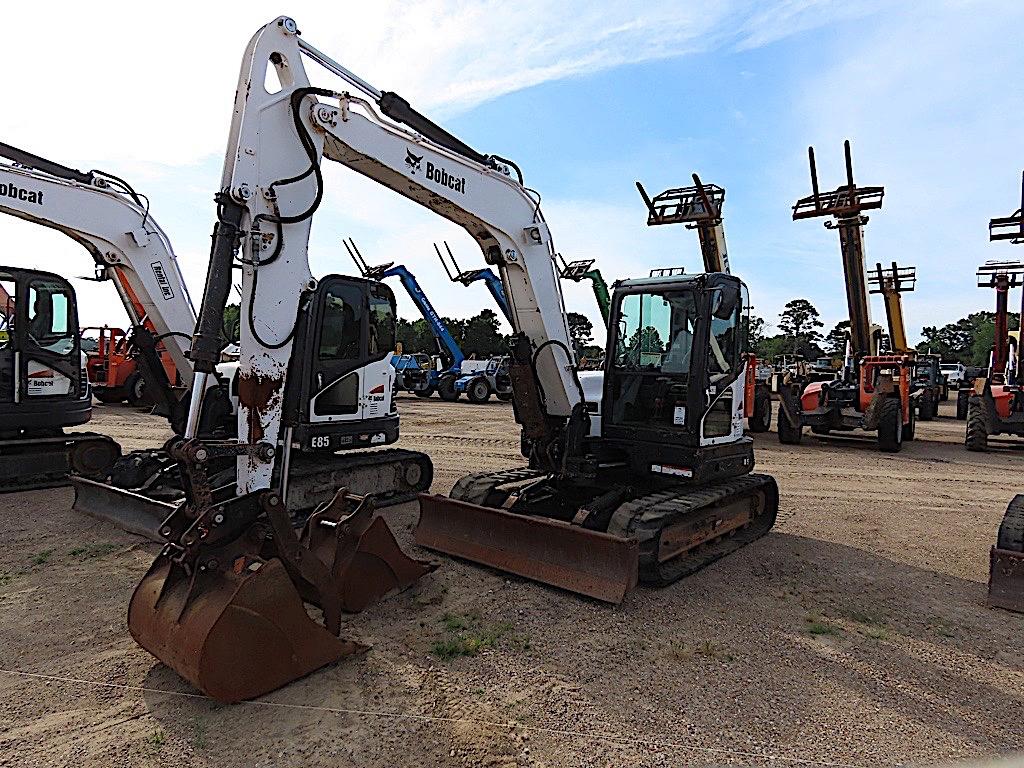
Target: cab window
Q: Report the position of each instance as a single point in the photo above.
(382, 321)
(50, 319)
(341, 329)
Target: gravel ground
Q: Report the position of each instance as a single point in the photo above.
(855, 633)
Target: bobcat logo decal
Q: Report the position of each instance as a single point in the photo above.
(413, 161)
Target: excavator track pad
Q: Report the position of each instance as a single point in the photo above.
(657, 538)
(223, 604)
(1006, 560)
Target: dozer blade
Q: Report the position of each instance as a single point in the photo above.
(587, 562)
(234, 634)
(1006, 579)
(129, 511)
(360, 551)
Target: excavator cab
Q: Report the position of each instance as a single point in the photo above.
(660, 486)
(43, 385)
(674, 376)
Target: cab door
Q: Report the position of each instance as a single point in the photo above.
(340, 336)
(353, 334)
(48, 340)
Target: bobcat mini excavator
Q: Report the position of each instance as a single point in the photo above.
(700, 207)
(650, 475)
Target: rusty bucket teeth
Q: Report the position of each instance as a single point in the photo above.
(234, 634)
(587, 562)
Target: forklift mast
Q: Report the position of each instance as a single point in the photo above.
(698, 207)
(1010, 228)
(470, 276)
(891, 283)
(846, 204)
(1002, 276)
(584, 269)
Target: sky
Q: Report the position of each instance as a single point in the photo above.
(586, 97)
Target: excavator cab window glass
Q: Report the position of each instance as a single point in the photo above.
(50, 320)
(341, 349)
(651, 369)
(725, 347)
(341, 324)
(382, 321)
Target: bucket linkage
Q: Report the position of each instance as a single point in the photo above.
(223, 604)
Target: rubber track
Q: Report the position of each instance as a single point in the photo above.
(1011, 530)
(304, 466)
(475, 488)
(45, 480)
(644, 518)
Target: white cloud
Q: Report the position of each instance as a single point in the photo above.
(145, 91)
(927, 99)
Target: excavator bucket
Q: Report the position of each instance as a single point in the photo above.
(234, 634)
(1006, 580)
(590, 563)
(234, 623)
(360, 551)
(1006, 561)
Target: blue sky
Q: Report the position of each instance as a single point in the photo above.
(587, 98)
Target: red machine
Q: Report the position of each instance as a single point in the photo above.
(873, 391)
(112, 370)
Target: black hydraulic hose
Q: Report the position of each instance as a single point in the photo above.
(569, 355)
(27, 159)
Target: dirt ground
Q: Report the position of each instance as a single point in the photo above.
(854, 634)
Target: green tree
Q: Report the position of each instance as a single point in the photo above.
(755, 332)
(799, 320)
(479, 335)
(968, 340)
(231, 329)
(580, 329)
(835, 341)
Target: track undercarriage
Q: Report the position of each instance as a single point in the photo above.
(597, 539)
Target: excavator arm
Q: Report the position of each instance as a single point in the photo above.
(113, 223)
(271, 187)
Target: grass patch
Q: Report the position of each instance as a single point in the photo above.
(468, 636)
(41, 558)
(707, 649)
(90, 551)
(876, 633)
(867, 619)
(198, 733)
(155, 741)
(941, 628)
(6, 577)
(817, 627)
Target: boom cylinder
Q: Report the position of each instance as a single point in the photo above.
(207, 339)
